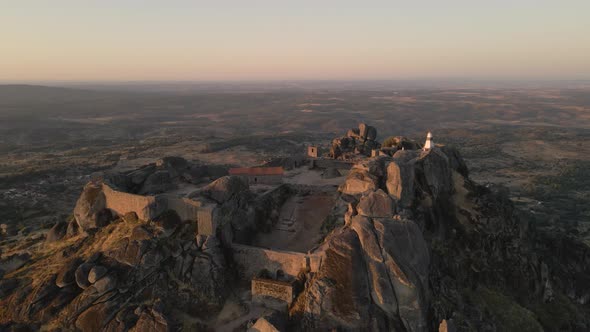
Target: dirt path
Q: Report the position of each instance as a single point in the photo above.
(300, 223)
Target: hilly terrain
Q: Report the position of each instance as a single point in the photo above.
(497, 217)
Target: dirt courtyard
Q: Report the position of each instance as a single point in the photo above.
(300, 222)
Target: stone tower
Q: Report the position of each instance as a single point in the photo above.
(313, 152)
(429, 143)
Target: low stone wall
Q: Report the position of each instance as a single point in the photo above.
(331, 163)
(251, 260)
(149, 207)
(146, 207)
(265, 288)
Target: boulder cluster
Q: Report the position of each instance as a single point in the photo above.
(361, 140)
(419, 235)
(412, 245)
(382, 245)
(163, 175)
(126, 273)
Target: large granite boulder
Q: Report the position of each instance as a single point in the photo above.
(151, 320)
(174, 165)
(157, 183)
(376, 204)
(406, 256)
(90, 211)
(400, 181)
(225, 188)
(382, 291)
(338, 296)
(435, 168)
(367, 132)
(138, 176)
(375, 166)
(358, 182)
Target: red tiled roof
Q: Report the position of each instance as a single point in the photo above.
(256, 171)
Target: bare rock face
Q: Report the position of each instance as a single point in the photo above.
(382, 291)
(374, 277)
(151, 320)
(406, 255)
(376, 204)
(138, 176)
(90, 211)
(437, 172)
(96, 273)
(359, 182)
(81, 275)
(157, 183)
(400, 181)
(224, 188)
(456, 162)
(338, 296)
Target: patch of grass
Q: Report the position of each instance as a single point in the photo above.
(558, 314)
(505, 313)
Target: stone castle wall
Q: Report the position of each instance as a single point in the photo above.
(149, 207)
(331, 163)
(146, 207)
(251, 260)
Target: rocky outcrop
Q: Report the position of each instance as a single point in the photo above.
(225, 188)
(417, 246)
(421, 235)
(436, 170)
(400, 180)
(163, 175)
(359, 182)
(357, 141)
(110, 289)
(157, 183)
(376, 204)
(90, 211)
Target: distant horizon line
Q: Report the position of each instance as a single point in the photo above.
(157, 81)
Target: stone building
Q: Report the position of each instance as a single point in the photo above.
(313, 151)
(259, 175)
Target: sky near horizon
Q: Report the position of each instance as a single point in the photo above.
(284, 40)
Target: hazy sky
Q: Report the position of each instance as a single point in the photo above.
(300, 39)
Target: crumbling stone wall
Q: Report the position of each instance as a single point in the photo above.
(146, 207)
(331, 163)
(251, 260)
(149, 207)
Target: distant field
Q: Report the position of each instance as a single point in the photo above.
(534, 140)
